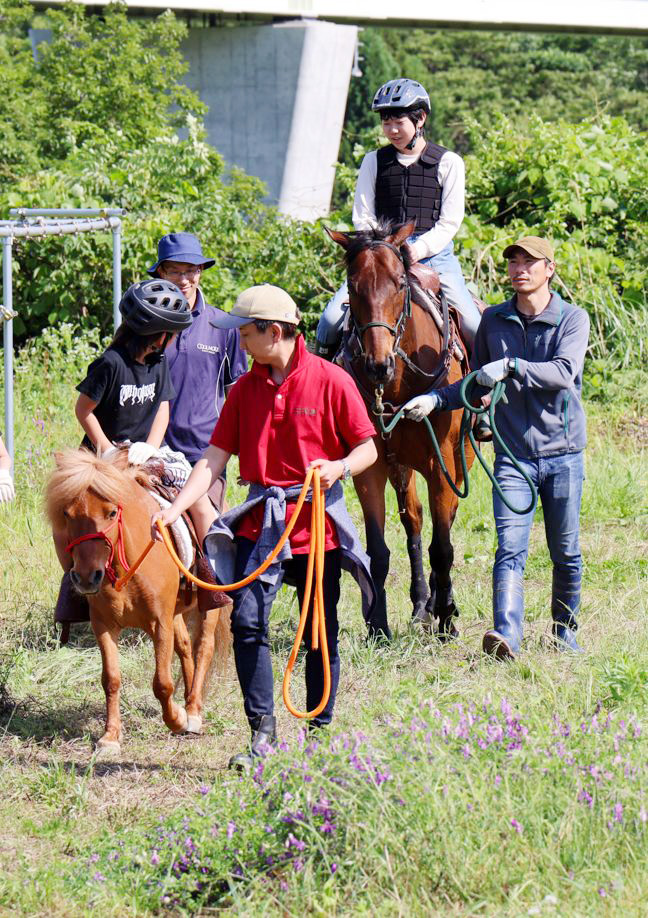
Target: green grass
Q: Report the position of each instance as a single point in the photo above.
(454, 786)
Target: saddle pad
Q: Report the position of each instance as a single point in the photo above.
(180, 532)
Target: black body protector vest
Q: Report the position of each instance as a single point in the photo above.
(407, 192)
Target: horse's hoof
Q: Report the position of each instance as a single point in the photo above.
(182, 721)
(194, 723)
(107, 749)
(445, 630)
(379, 635)
(421, 617)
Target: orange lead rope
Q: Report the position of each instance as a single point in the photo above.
(315, 564)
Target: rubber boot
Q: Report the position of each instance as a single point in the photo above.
(71, 606)
(504, 640)
(565, 605)
(264, 734)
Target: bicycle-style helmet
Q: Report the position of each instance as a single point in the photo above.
(401, 93)
(153, 306)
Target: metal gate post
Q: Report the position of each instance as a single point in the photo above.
(7, 297)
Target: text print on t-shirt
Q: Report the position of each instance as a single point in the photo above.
(136, 395)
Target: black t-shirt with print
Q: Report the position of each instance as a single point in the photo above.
(128, 394)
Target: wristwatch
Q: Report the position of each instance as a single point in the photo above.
(346, 474)
(511, 365)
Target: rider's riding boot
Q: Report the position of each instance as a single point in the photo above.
(565, 605)
(264, 735)
(70, 607)
(326, 351)
(482, 429)
(504, 640)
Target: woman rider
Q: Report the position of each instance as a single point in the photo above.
(409, 178)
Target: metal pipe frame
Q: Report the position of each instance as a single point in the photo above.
(35, 223)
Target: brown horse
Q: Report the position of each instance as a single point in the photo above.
(106, 509)
(394, 350)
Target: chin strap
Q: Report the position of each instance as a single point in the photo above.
(417, 133)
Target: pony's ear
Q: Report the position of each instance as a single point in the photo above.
(58, 458)
(402, 233)
(341, 238)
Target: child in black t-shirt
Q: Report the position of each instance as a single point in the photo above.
(125, 396)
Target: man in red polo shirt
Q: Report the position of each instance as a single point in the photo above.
(293, 411)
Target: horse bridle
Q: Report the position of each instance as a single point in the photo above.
(111, 573)
(395, 330)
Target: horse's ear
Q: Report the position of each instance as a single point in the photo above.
(341, 238)
(58, 458)
(402, 233)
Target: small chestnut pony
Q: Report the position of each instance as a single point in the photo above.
(105, 508)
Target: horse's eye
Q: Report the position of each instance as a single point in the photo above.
(112, 514)
(66, 515)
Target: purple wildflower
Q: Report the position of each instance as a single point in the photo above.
(231, 828)
(203, 789)
(155, 858)
(618, 812)
(517, 826)
(334, 867)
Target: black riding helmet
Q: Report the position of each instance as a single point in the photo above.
(154, 306)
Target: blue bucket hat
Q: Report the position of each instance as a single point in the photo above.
(182, 247)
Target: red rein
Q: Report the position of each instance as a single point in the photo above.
(111, 573)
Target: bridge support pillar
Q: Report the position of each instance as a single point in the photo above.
(276, 96)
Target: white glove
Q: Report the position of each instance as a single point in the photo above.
(421, 405)
(140, 453)
(492, 373)
(7, 492)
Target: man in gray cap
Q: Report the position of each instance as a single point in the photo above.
(293, 411)
(536, 342)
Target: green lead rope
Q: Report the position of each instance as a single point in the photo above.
(498, 395)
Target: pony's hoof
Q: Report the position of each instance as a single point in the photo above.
(194, 723)
(107, 749)
(182, 721)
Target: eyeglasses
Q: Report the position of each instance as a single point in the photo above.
(189, 272)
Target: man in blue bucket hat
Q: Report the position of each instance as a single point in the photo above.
(204, 360)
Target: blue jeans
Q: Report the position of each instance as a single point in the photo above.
(453, 285)
(250, 618)
(559, 480)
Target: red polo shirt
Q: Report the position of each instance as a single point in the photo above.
(277, 430)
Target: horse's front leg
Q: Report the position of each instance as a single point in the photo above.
(107, 637)
(411, 515)
(175, 716)
(443, 509)
(370, 487)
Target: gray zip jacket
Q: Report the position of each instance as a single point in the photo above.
(544, 415)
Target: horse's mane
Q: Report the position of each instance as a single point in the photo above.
(79, 470)
(366, 238)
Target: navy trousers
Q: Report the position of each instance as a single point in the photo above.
(250, 618)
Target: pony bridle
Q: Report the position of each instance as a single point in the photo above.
(395, 330)
(111, 573)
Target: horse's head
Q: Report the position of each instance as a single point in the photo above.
(84, 497)
(378, 293)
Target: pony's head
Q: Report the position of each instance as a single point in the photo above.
(84, 495)
(378, 291)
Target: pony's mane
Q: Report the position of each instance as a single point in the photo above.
(79, 470)
(364, 239)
